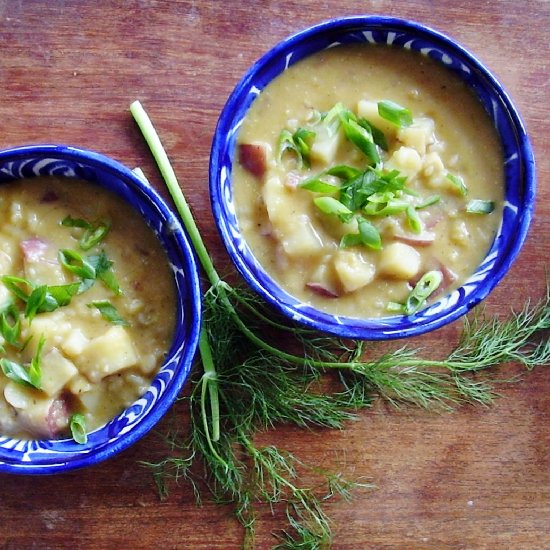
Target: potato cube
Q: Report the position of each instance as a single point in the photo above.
(75, 343)
(107, 354)
(325, 147)
(435, 171)
(52, 326)
(459, 232)
(407, 160)
(353, 270)
(400, 261)
(289, 219)
(418, 135)
(57, 370)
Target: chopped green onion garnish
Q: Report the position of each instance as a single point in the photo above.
(77, 425)
(394, 113)
(413, 219)
(109, 312)
(428, 283)
(69, 221)
(104, 271)
(368, 235)
(360, 136)
(434, 199)
(332, 206)
(377, 135)
(35, 302)
(31, 376)
(317, 185)
(93, 234)
(10, 325)
(75, 263)
(478, 206)
(13, 284)
(298, 143)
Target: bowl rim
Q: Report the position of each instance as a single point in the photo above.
(352, 327)
(141, 190)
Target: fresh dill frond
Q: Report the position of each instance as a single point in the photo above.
(250, 385)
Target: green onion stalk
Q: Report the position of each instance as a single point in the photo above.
(399, 376)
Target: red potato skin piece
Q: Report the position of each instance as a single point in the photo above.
(420, 240)
(253, 158)
(58, 417)
(34, 249)
(321, 290)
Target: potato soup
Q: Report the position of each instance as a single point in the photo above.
(86, 307)
(367, 180)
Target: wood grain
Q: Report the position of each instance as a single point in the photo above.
(475, 479)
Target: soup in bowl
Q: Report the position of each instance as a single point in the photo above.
(99, 308)
(371, 179)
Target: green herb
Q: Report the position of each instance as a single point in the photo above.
(458, 183)
(77, 425)
(394, 113)
(413, 219)
(41, 298)
(14, 284)
(478, 206)
(104, 271)
(333, 207)
(430, 201)
(109, 312)
(29, 376)
(249, 385)
(93, 233)
(317, 185)
(367, 235)
(298, 143)
(426, 286)
(76, 263)
(360, 135)
(10, 325)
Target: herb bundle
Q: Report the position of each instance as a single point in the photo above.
(249, 385)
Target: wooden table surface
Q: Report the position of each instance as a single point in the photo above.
(476, 478)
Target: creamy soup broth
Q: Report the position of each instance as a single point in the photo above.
(450, 134)
(89, 365)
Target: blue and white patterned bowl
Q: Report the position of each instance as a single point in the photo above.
(519, 172)
(50, 456)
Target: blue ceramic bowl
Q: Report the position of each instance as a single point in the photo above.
(49, 456)
(519, 172)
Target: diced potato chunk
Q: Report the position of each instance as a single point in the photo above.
(107, 354)
(353, 270)
(57, 370)
(75, 343)
(400, 261)
(418, 135)
(291, 225)
(52, 326)
(407, 160)
(79, 384)
(41, 416)
(435, 171)
(459, 232)
(325, 147)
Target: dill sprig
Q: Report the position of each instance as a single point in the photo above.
(248, 385)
